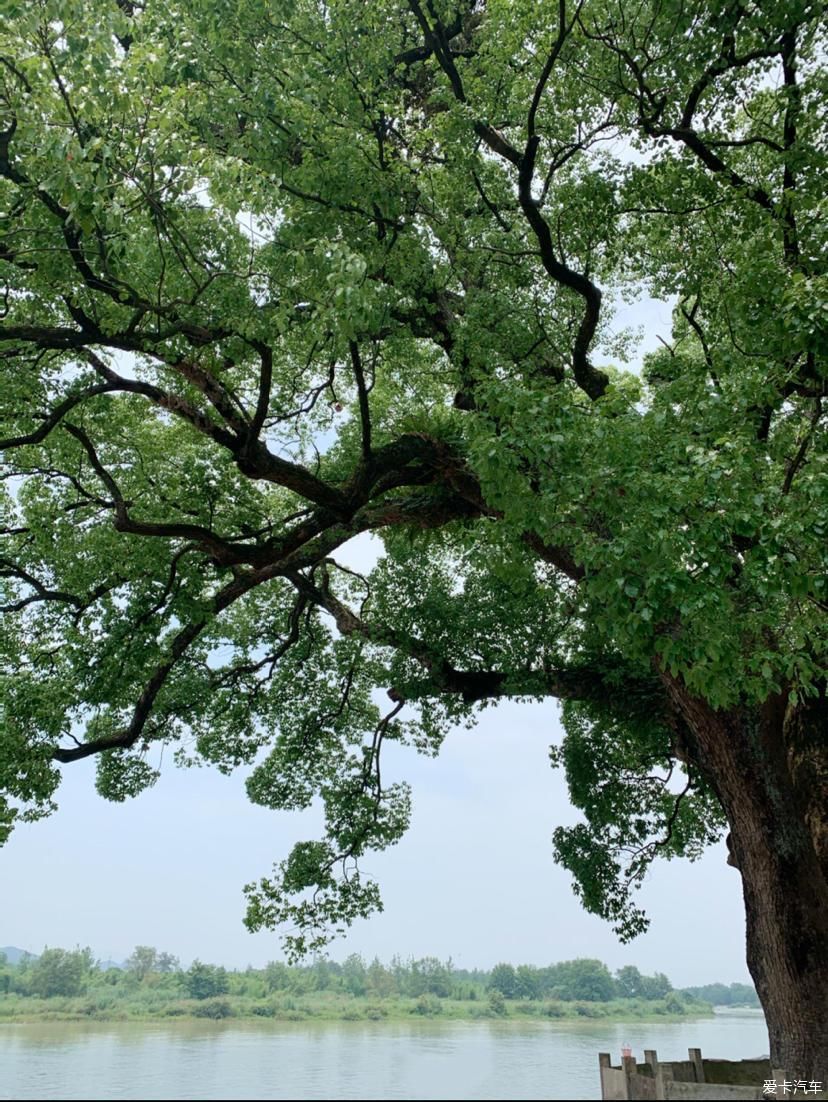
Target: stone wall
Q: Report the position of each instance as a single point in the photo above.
(698, 1078)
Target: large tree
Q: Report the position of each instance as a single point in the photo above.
(280, 272)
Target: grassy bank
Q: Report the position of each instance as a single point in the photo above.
(158, 1005)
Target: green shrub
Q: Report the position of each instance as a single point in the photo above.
(428, 1006)
(213, 1008)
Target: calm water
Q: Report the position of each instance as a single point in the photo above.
(190, 1060)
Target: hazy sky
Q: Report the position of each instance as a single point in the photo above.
(473, 880)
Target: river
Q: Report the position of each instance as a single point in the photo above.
(416, 1060)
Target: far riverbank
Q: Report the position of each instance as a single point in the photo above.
(146, 1005)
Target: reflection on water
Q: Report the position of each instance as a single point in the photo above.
(418, 1060)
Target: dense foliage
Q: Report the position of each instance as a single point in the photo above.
(59, 972)
(277, 274)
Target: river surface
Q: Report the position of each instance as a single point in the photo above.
(417, 1060)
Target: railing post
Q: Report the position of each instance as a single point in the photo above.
(630, 1069)
(603, 1062)
(696, 1061)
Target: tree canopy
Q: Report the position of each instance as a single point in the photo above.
(60, 972)
(280, 274)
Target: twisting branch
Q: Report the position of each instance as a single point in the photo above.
(645, 853)
(652, 104)
(182, 641)
(590, 379)
(692, 320)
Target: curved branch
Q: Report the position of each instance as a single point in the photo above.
(590, 379)
(9, 569)
(209, 540)
(129, 735)
(56, 416)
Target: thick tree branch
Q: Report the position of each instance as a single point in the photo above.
(265, 387)
(362, 394)
(574, 683)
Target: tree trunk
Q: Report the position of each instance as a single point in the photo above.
(768, 766)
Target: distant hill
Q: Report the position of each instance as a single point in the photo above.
(14, 955)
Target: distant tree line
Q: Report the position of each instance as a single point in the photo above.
(583, 979)
(721, 994)
(69, 972)
(63, 972)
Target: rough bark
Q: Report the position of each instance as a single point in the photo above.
(767, 766)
